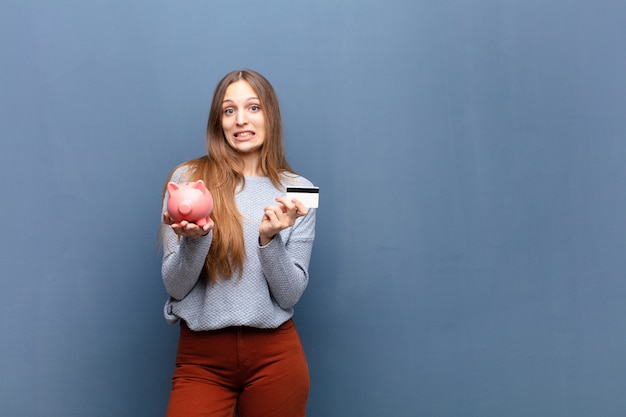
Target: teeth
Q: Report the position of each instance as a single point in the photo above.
(243, 134)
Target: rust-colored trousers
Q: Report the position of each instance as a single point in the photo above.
(240, 371)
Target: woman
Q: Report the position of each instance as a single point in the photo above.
(233, 282)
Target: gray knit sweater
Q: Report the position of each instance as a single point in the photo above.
(274, 276)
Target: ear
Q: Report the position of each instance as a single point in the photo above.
(172, 186)
(199, 185)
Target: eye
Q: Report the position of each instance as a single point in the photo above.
(229, 111)
(255, 108)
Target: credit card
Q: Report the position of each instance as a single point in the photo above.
(309, 196)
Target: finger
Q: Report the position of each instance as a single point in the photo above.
(272, 213)
(208, 227)
(278, 211)
(193, 229)
(301, 209)
(177, 229)
(287, 203)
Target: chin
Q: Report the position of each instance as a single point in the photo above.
(248, 148)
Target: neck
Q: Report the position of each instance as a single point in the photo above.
(251, 166)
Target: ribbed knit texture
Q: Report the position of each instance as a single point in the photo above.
(274, 276)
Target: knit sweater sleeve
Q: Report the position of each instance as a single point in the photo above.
(285, 260)
(183, 258)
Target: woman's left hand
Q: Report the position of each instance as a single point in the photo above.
(279, 217)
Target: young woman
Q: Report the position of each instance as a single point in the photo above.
(233, 283)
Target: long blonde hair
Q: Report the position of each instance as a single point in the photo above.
(221, 170)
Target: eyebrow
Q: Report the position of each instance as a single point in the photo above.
(248, 99)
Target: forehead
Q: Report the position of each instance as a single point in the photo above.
(238, 91)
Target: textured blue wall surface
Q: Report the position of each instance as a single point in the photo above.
(470, 252)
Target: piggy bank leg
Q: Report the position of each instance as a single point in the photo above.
(202, 222)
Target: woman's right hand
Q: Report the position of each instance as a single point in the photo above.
(188, 229)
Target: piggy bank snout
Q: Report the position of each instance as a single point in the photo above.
(185, 207)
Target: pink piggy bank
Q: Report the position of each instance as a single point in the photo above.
(189, 201)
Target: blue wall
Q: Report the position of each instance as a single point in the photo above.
(470, 257)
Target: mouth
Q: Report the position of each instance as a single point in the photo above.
(244, 135)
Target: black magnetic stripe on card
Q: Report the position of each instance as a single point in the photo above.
(303, 190)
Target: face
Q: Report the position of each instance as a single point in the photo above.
(243, 120)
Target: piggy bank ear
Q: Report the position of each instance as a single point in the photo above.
(199, 185)
(172, 186)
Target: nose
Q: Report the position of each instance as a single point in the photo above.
(241, 118)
